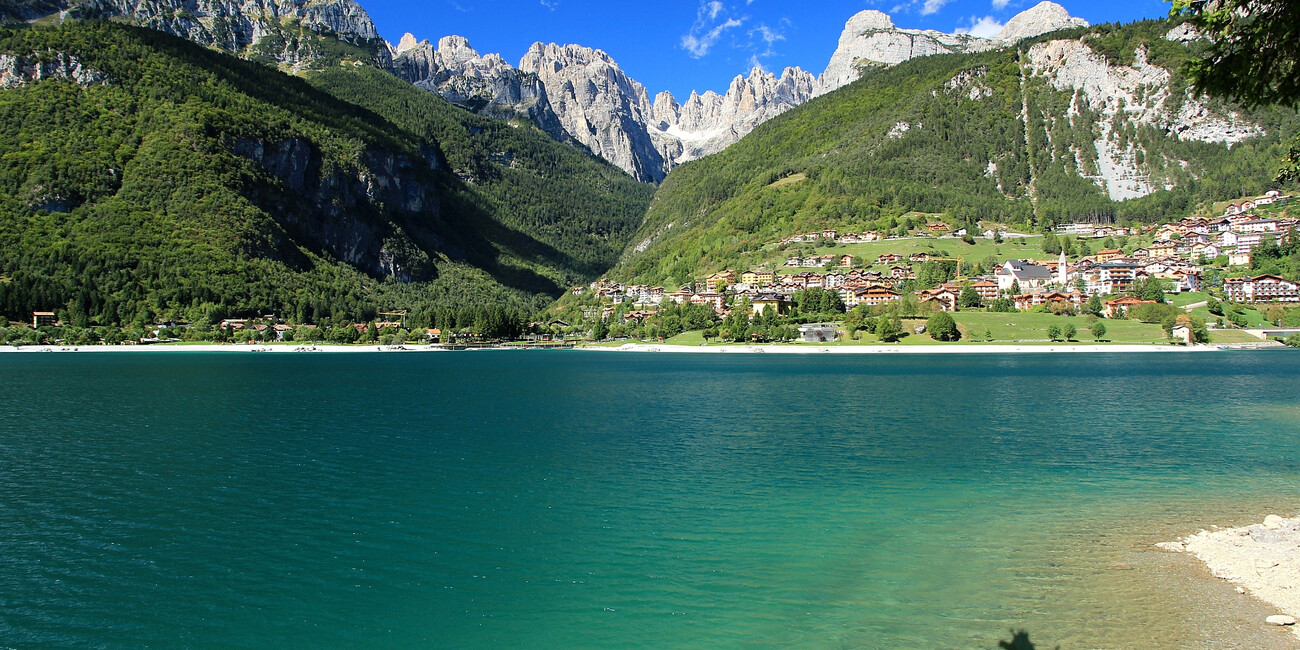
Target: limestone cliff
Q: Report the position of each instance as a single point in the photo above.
(485, 84)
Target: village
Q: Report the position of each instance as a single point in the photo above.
(1208, 260)
(1177, 257)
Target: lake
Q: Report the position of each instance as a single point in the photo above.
(561, 499)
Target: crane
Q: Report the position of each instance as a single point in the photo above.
(958, 260)
(399, 312)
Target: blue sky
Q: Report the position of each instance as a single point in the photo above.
(680, 45)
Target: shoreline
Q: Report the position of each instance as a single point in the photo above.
(1262, 560)
(992, 348)
(165, 348)
(903, 349)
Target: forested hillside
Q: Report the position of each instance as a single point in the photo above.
(994, 136)
(143, 176)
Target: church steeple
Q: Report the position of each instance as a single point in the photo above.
(1061, 269)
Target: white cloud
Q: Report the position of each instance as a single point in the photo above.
(706, 30)
(551, 4)
(761, 40)
(1001, 4)
(932, 6)
(986, 27)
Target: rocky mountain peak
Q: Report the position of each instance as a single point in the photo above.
(407, 43)
(871, 39)
(1042, 18)
(869, 19)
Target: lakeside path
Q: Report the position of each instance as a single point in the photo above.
(898, 349)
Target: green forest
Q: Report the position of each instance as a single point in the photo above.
(842, 160)
(178, 182)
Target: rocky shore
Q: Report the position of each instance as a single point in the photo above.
(1263, 560)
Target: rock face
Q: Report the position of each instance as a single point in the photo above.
(18, 71)
(708, 123)
(483, 84)
(1040, 19)
(598, 105)
(581, 94)
(871, 39)
(273, 26)
(1139, 95)
(332, 207)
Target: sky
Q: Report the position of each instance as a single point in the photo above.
(684, 45)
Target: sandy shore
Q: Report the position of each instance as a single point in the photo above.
(1263, 560)
(174, 349)
(898, 349)
(633, 347)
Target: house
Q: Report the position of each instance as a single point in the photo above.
(1239, 259)
(1028, 276)
(1112, 308)
(920, 257)
(987, 290)
(433, 334)
(944, 297)
(1261, 288)
(900, 272)
(1257, 225)
(1163, 249)
(875, 295)
(937, 228)
(1076, 229)
(710, 298)
(681, 296)
(1181, 334)
(1109, 254)
(44, 319)
(1032, 299)
(888, 258)
(846, 260)
(1141, 253)
(234, 324)
(1249, 241)
(577, 291)
(713, 281)
(817, 332)
(1110, 278)
(764, 302)
(833, 279)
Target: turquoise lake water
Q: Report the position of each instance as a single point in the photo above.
(562, 499)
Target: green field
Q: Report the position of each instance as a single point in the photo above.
(1022, 327)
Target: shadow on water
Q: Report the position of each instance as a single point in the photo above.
(1019, 641)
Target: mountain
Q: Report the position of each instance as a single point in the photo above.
(293, 32)
(871, 39)
(598, 105)
(574, 93)
(145, 176)
(581, 94)
(1096, 124)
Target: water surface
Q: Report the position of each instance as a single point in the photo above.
(554, 499)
